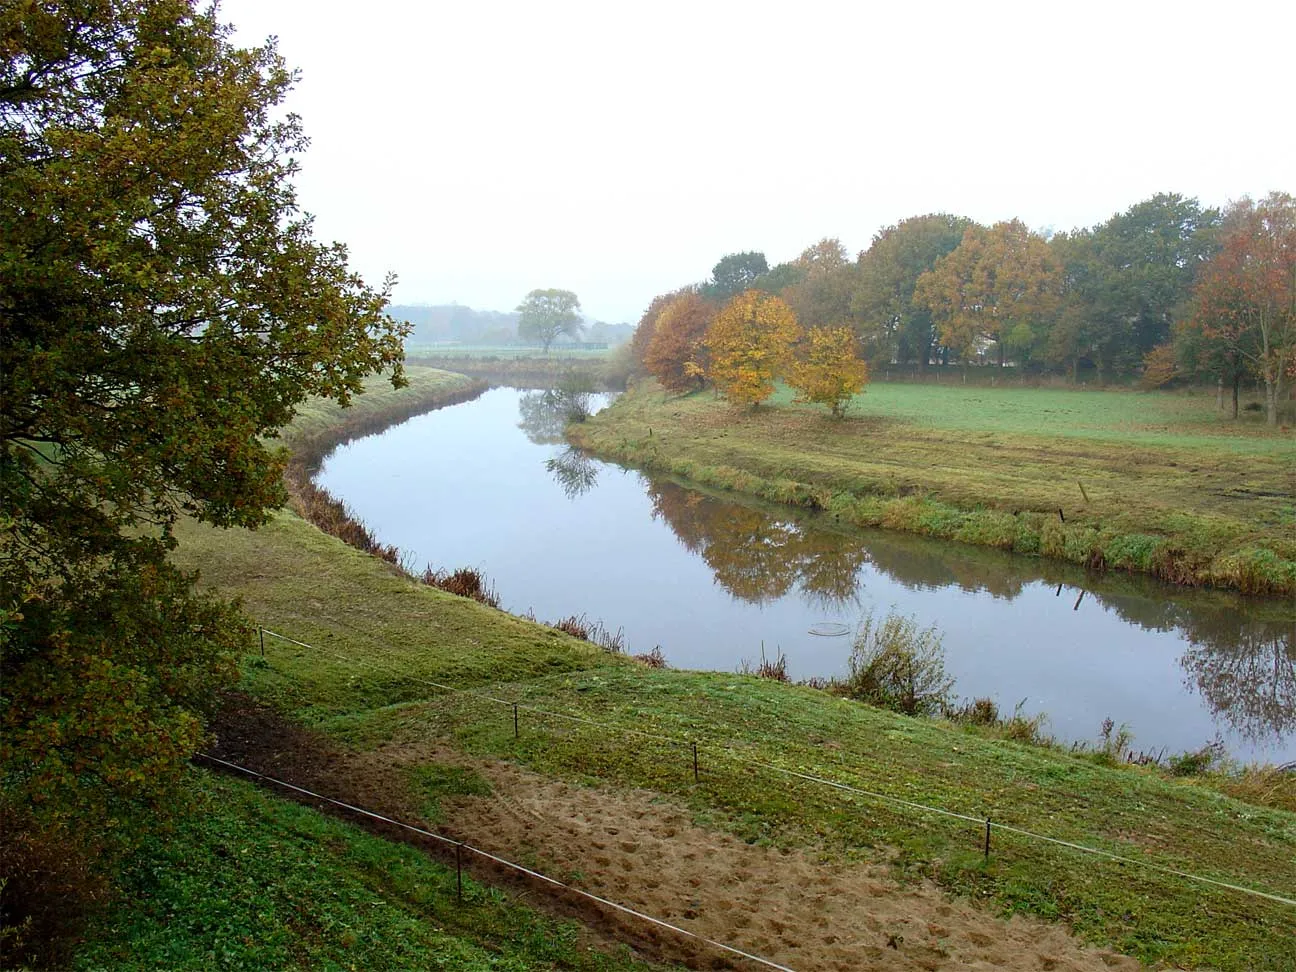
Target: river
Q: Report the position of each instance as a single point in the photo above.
(715, 581)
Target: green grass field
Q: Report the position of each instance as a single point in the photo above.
(1159, 483)
(251, 881)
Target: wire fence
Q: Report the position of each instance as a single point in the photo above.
(986, 824)
(461, 847)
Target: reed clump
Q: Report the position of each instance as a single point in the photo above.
(464, 582)
(775, 669)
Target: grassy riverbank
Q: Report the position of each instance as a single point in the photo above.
(379, 634)
(1122, 480)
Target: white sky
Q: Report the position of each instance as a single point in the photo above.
(483, 149)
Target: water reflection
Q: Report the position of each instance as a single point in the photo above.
(756, 555)
(1242, 654)
(574, 471)
(542, 415)
(1250, 682)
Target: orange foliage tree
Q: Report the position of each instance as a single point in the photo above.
(828, 369)
(1001, 284)
(750, 342)
(1245, 298)
(676, 353)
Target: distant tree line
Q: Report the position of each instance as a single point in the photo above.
(1166, 291)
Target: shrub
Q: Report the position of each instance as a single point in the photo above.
(899, 666)
(1199, 762)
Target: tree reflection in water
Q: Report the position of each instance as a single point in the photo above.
(1247, 676)
(1243, 651)
(756, 555)
(574, 471)
(543, 415)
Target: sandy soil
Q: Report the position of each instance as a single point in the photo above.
(644, 851)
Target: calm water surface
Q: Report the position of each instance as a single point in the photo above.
(490, 484)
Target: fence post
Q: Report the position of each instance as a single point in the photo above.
(515, 721)
(261, 633)
(696, 776)
(459, 870)
(987, 839)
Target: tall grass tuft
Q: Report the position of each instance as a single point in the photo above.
(775, 669)
(595, 632)
(465, 582)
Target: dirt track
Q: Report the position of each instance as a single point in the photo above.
(643, 851)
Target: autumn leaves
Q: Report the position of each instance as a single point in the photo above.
(743, 347)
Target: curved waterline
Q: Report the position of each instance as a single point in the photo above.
(710, 579)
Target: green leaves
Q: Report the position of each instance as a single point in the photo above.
(164, 309)
(545, 314)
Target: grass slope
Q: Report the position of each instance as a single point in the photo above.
(250, 881)
(1146, 482)
(381, 632)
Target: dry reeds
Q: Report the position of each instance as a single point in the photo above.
(652, 659)
(595, 632)
(464, 582)
(774, 668)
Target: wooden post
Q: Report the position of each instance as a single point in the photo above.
(987, 839)
(515, 721)
(459, 870)
(696, 776)
(261, 632)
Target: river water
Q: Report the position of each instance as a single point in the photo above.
(715, 581)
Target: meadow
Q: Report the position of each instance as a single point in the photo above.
(1153, 482)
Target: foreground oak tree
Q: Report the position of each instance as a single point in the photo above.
(163, 308)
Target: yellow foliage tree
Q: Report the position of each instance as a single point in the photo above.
(751, 342)
(828, 370)
(999, 285)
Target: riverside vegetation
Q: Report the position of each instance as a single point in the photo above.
(1122, 480)
(380, 632)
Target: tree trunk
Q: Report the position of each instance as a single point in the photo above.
(1075, 369)
(1271, 400)
(1219, 393)
(1237, 387)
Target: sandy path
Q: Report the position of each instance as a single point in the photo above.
(643, 851)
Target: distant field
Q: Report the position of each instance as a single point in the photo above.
(1155, 482)
(415, 349)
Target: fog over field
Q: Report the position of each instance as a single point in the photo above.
(481, 151)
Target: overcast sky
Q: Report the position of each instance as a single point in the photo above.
(480, 150)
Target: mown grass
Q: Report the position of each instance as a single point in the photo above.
(1124, 480)
(379, 628)
(251, 881)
